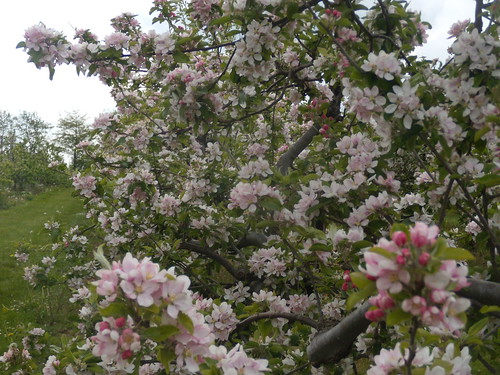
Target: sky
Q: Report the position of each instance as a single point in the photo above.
(25, 88)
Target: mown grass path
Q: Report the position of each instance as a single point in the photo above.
(24, 223)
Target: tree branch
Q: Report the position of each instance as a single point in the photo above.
(238, 273)
(293, 152)
(275, 315)
(485, 292)
(334, 344)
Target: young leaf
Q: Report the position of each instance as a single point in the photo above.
(383, 252)
(160, 333)
(455, 253)
(478, 326)
(186, 322)
(360, 280)
(115, 309)
(354, 298)
(397, 316)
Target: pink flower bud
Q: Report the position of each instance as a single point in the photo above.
(103, 326)
(345, 286)
(424, 258)
(400, 259)
(346, 275)
(120, 322)
(399, 238)
(127, 354)
(374, 315)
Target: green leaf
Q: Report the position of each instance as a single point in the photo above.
(266, 224)
(165, 356)
(480, 133)
(383, 252)
(115, 309)
(360, 280)
(180, 57)
(455, 253)
(270, 203)
(309, 232)
(397, 316)
(160, 333)
(292, 9)
(320, 247)
(361, 244)
(221, 20)
(21, 45)
(478, 326)
(186, 322)
(487, 309)
(489, 180)
(354, 298)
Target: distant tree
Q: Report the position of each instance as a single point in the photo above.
(32, 131)
(73, 129)
(7, 132)
(26, 152)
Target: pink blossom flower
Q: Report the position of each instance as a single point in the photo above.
(176, 294)
(384, 65)
(142, 280)
(383, 300)
(415, 305)
(386, 361)
(421, 234)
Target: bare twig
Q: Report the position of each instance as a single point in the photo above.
(275, 315)
(237, 272)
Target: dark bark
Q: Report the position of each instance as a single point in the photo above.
(484, 292)
(335, 343)
(238, 273)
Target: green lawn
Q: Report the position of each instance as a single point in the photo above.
(24, 223)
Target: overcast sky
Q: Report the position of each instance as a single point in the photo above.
(23, 87)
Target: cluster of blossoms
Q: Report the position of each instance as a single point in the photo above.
(118, 340)
(86, 184)
(410, 275)
(222, 320)
(245, 195)
(268, 261)
(390, 360)
(47, 47)
(15, 355)
(384, 65)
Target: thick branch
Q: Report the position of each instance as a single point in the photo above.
(252, 239)
(293, 152)
(334, 344)
(237, 273)
(478, 22)
(275, 315)
(485, 292)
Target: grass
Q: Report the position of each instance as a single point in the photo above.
(24, 224)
